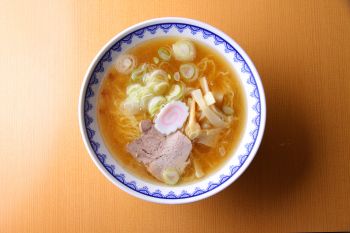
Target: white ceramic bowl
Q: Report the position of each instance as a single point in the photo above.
(253, 89)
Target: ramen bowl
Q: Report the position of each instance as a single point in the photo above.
(241, 156)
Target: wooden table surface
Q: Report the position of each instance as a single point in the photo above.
(299, 181)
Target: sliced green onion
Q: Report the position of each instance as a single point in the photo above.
(131, 106)
(160, 88)
(177, 76)
(145, 77)
(155, 104)
(125, 63)
(156, 60)
(143, 92)
(145, 100)
(189, 72)
(156, 76)
(176, 93)
(133, 88)
(164, 53)
(170, 175)
(184, 50)
(138, 73)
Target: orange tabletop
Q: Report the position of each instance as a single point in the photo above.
(299, 180)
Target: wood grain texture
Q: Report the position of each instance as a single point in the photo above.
(299, 181)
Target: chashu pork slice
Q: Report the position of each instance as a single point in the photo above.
(165, 157)
(173, 155)
(144, 149)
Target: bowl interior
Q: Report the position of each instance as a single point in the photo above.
(246, 72)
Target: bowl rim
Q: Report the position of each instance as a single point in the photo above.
(164, 20)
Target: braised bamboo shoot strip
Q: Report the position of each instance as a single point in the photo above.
(209, 98)
(198, 169)
(213, 118)
(208, 95)
(192, 129)
(204, 84)
(205, 124)
(209, 137)
(218, 112)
